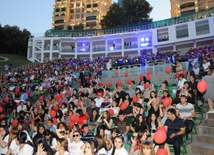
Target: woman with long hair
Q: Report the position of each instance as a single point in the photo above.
(62, 147)
(25, 147)
(119, 148)
(107, 149)
(153, 104)
(140, 124)
(153, 123)
(88, 149)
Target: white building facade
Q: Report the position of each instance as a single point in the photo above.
(175, 34)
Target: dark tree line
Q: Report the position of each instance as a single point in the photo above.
(13, 40)
(130, 12)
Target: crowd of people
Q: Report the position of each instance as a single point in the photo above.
(63, 108)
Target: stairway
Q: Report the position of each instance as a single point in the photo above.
(203, 143)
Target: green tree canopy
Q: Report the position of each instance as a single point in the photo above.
(13, 40)
(114, 17)
(130, 12)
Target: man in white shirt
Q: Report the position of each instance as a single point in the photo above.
(186, 112)
(74, 143)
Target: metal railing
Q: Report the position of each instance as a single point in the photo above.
(132, 28)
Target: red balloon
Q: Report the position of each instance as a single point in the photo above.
(161, 151)
(168, 69)
(162, 128)
(202, 86)
(100, 84)
(129, 82)
(167, 101)
(124, 106)
(14, 123)
(109, 84)
(160, 136)
(53, 113)
(126, 74)
(1, 109)
(111, 112)
(148, 76)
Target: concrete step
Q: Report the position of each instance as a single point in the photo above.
(203, 129)
(208, 122)
(210, 115)
(199, 148)
(204, 138)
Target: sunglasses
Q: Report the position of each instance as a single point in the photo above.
(76, 135)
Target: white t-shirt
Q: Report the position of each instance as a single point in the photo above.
(185, 110)
(206, 66)
(65, 153)
(26, 150)
(14, 148)
(4, 150)
(121, 151)
(99, 102)
(75, 148)
(103, 151)
(181, 83)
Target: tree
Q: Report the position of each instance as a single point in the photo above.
(114, 17)
(130, 12)
(13, 40)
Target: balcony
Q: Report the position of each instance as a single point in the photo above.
(136, 27)
(182, 2)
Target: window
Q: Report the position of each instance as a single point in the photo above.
(187, 5)
(62, 9)
(59, 21)
(202, 27)
(182, 31)
(91, 18)
(98, 46)
(163, 35)
(88, 6)
(95, 5)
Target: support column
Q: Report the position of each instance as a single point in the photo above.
(122, 42)
(194, 44)
(60, 50)
(51, 50)
(42, 51)
(154, 50)
(106, 47)
(91, 54)
(75, 50)
(138, 47)
(174, 47)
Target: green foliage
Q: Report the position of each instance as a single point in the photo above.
(130, 12)
(114, 17)
(13, 40)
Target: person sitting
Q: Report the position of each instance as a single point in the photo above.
(107, 148)
(175, 130)
(186, 112)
